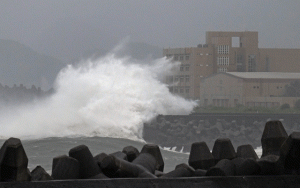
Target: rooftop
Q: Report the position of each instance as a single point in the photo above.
(266, 75)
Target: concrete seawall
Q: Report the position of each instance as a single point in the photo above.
(207, 182)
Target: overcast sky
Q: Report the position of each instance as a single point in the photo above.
(66, 27)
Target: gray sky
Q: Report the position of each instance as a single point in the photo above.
(66, 27)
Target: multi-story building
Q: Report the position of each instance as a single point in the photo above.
(226, 52)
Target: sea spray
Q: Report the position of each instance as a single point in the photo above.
(107, 97)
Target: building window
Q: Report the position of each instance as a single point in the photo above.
(170, 79)
(187, 68)
(181, 58)
(251, 63)
(222, 69)
(181, 90)
(176, 78)
(187, 90)
(175, 90)
(187, 78)
(187, 57)
(223, 61)
(181, 79)
(223, 49)
(181, 68)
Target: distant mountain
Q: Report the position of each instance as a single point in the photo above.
(20, 64)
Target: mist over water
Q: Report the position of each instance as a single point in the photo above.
(107, 97)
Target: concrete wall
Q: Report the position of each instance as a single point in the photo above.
(209, 182)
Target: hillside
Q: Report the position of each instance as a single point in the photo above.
(20, 64)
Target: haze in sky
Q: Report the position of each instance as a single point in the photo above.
(64, 28)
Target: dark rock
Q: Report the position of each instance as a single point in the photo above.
(200, 156)
(246, 151)
(272, 138)
(155, 151)
(39, 174)
(224, 167)
(268, 165)
(65, 167)
(290, 154)
(88, 166)
(223, 149)
(131, 152)
(13, 161)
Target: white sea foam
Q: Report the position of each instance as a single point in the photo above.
(108, 97)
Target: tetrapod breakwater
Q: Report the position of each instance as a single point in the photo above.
(225, 166)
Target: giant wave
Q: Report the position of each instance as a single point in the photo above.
(106, 97)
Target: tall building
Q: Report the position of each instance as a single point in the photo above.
(226, 52)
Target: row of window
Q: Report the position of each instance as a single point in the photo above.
(203, 54)
(251, 63)
(181, 78)
(181, 89)
(186, 68)
(257, 87)
(179, 57)
(223, 49)
(223, 61)
(222, 69)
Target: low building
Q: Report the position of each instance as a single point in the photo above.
(265, 89)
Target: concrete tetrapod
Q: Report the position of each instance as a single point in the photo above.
(39, 174)
(272, 138)
(181, 170)
(128, 169)
(88, 168)
(224, 167)
(65, 167)
(246, 151)
(200, 156)
(131, 152)
(223, 149)
(289, 160)
(155, 151)
(13, 161)
(269, 165)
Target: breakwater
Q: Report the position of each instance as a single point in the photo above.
(181, 131)
(223, 167)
